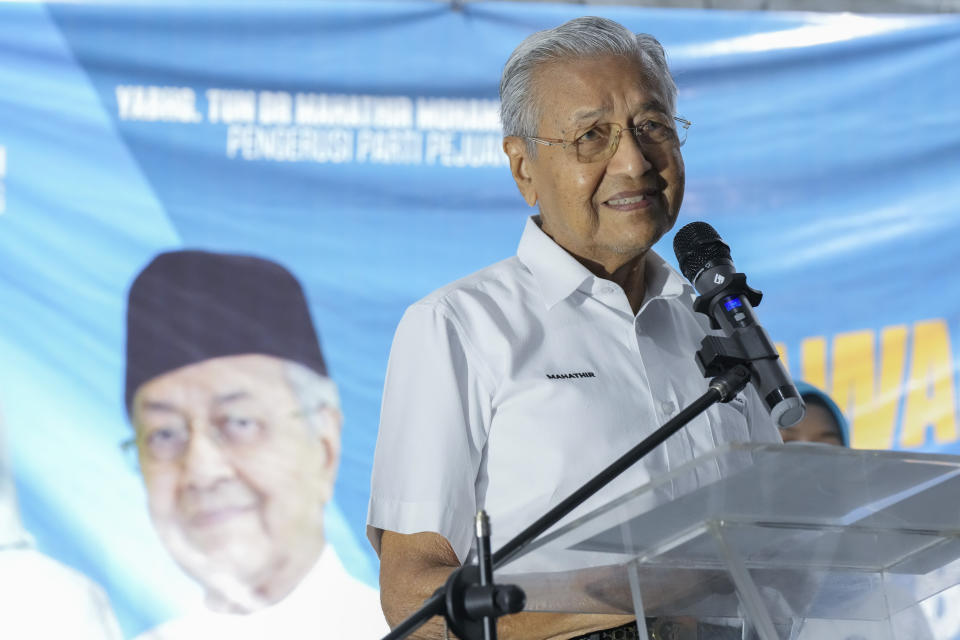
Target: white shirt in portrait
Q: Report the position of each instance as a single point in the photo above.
(328, 603)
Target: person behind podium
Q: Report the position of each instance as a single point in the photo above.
(823, 421)
(511, 387)
(238, 436)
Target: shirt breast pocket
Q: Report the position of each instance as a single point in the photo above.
(730, 420)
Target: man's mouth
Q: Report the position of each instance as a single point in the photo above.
(210, 517)
(632, 199)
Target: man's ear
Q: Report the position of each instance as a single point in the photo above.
(519, 155)
(329, 436)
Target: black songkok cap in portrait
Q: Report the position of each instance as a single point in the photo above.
(190, 306)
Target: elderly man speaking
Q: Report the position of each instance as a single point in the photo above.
(509, 388)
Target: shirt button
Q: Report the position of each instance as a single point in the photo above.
(608, 289)
(667, 407)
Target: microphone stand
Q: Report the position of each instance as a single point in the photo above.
(471, 602)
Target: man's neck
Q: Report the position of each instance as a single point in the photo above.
(278, 583)
(629, 274)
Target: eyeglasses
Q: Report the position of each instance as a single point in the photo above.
(230, 431)
(600, 141)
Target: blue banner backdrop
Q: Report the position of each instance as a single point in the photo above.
(357, 143)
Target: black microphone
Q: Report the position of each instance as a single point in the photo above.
(726, 299)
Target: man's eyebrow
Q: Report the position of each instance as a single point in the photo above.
(590, 114)
(654, 105)
(587, 114)
(155, 405)
(232, 396)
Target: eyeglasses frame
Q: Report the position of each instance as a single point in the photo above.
(549, 142)
(131, 447)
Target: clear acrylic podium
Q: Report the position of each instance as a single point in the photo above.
(795, 541)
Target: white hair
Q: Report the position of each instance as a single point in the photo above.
(579, 38)
(312, 390)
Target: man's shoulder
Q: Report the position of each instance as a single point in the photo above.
(34, 583)
(488, 310)
(328, 602)
(50, 581)
(502, 283)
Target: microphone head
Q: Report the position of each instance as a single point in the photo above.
(698, 246)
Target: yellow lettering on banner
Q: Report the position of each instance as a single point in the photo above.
(813, 359)
(853, 371)
(875, 420)
(782, 350)
(872, 411)
(930, 390)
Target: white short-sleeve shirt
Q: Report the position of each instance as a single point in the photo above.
(508, 389)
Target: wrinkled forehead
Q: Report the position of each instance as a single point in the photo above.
(575, 87)
(212, 383)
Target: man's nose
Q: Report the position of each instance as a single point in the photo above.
(205, 462)
(629, 158)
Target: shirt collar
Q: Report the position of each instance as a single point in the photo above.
(558, 274)
(663, 281)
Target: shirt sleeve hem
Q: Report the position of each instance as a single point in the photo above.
(416, 517)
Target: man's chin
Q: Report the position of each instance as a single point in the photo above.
(215, 531)
(246, 561)
(241, 559)
(638, 241)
